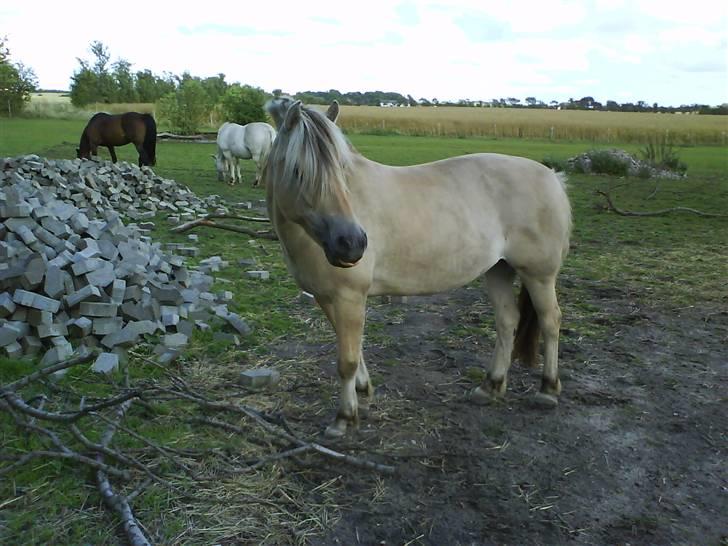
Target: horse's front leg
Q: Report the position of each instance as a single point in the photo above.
(347, 318)
(112, 152)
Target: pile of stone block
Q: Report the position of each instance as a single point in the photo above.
(97, 186)
(72, 273)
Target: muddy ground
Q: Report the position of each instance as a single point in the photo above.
(634, 454)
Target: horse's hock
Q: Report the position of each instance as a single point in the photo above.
(72, 274)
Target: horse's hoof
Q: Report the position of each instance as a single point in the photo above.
(335, 430)
(541, 400)
(482, 398)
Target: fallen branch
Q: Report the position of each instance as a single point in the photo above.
(119, 503)
(205, 221)
(611, 206)
(273, 429)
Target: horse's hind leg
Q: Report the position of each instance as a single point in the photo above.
(347, 318)
(543, 297)
(112, 152)
(499, 283)
(143, 156)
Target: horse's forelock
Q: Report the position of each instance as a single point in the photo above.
(311, 158)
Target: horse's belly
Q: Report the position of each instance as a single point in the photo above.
(443, 269)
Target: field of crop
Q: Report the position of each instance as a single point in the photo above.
(496, 123)
(635, 452)
(573, 125)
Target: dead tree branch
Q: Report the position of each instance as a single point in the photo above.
(118, 503)
(208, 221)
(611, 206)
(273, 429)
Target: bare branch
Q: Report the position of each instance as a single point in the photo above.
(206, 222)
(118, 503)
(82, 358)
(622, 212)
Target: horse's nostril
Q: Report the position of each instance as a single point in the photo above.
(343, 243)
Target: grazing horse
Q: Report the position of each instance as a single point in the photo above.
(117, 130)
(351, 228)
(235, 142)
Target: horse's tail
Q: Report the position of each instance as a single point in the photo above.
(525, 346)
(150, 138)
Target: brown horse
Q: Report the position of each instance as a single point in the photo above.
(352, 228)
(117, 130)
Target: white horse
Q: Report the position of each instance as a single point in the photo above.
(235, 142)
(352, 228)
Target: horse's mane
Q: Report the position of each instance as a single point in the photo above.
(311, 159)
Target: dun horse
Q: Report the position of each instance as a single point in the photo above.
(117, 130)
(351, 228)
(235, 142)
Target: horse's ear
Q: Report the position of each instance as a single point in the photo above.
(293, 116)
(333, 112)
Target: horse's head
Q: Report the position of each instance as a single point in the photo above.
(306, 179)
(219, 165)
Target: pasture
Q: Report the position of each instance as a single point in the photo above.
(635, 452)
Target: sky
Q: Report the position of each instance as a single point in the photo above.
(667, 51)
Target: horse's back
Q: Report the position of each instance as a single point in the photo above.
(259, 137)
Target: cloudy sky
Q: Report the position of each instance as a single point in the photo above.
(667, 51)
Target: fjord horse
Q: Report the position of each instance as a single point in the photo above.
(351, 228)
(117, 130)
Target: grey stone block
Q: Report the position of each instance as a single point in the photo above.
(54, 285)
(88, 292)
(175, 341)
(106, 363)
(31, 345)
(36, 317)
(80, 327)
(95, 309)
(106, 325)
(261, 275)
(14, 349)
(7, 305)
(260, 378)
(237, 322)
(8, 335)
(51, 330)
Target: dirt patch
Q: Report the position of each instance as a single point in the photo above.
(635, 452)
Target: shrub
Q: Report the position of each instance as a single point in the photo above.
(243, 104)
(659, 153)
(186, 108)
(551, 162)
(607, 162)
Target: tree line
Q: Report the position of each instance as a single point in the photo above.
(187, 101)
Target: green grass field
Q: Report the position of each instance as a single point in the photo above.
(666, 261)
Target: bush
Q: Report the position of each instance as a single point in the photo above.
(185, 109)
(606, 162)
(243, 104)
(551, 162)
(659, 153)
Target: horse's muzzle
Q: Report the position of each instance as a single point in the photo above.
(345, 246)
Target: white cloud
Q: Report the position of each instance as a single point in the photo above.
(446, 49)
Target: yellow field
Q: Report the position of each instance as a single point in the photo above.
(526, 123)
(58, 105)
(605, 127)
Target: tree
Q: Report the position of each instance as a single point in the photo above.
(124, 81)
(186, 108)
(243, 104)
(17, 83)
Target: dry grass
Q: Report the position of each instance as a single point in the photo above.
(524, 123)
